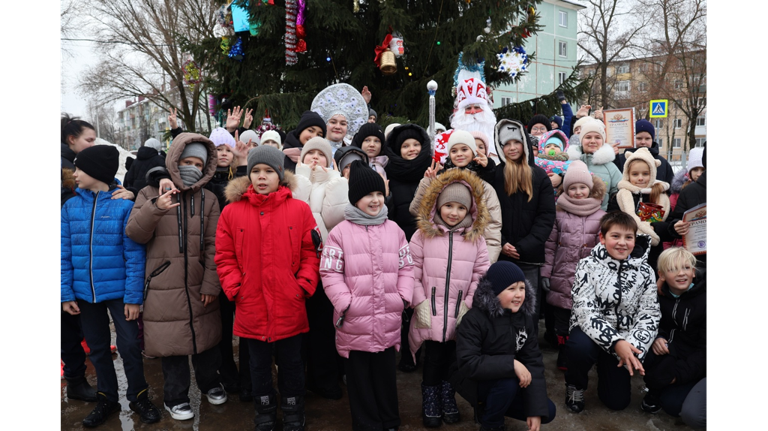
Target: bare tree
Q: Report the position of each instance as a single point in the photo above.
(103, 117)
(143, 52)
(677, 48)
(609, 30)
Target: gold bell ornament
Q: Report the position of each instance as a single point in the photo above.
(387, 64)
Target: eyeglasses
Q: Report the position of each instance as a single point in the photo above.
(538, 129)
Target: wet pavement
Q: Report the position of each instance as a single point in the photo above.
(323, 414)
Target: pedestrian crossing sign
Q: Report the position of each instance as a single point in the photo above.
(659, 108)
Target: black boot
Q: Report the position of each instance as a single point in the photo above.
(101, 413)
(79, 389)
(147, 411)
(293, 413)
(266, 413)
(431, 410)
(450, 409)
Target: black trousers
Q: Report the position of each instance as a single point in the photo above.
(319, 344)
(562, 318)
(72, 352)
(231, 377)
(372, 388)
(177, 376)
(290, 367)
(613, 383)
(437, 360)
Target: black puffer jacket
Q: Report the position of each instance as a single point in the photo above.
(404, 176)
(220, 180)
(489, 339)
(684, 326)
(291, 141)
(663, 173)
(146, 159)
(694, 194)
(525, 224)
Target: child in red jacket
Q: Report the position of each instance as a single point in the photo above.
(267, 258)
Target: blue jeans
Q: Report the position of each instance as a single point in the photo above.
(95, 323)
(505, 397)
(613, 383)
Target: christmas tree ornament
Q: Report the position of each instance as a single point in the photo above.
(396, 44)
(236, 52)
(291, 9)
(487, 28)
(224, 45)
(301, 45)
(266, 124)
(512, 61)
(192, 75)
(385, 58)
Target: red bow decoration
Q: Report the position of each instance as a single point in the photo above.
(380, 49)
(301, 46)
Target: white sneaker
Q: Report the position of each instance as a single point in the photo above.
(181, 412)
(217, 395)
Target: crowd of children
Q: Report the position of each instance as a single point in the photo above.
(334, 246)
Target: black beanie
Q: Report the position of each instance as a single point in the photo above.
(408, 133)
(308, 119)
(363, 180)
(100, 162)
(366, 130)
(540, 119)
(503, 274)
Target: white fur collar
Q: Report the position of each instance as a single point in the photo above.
(602, 156)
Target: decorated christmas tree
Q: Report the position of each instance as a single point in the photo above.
(283, 52)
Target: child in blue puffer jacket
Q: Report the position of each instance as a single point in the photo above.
(102, 269)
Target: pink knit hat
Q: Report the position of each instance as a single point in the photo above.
(577, 173)
(481, 136)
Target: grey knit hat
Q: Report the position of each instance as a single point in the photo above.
(195, 149)
(269, 156)
(508, 132)
(154, 144)
(455, 192)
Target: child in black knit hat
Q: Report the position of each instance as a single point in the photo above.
(310, 126)
(367, 273)
(107, 275)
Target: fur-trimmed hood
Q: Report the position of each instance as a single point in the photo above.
(238, 186)
(486, 301)
(479, 211)
(602, 156)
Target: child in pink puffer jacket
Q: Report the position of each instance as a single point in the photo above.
(450, 256)
(367, 273)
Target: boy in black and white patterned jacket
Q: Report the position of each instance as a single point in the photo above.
(615, 314)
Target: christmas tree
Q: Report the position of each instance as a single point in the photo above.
(341, 38)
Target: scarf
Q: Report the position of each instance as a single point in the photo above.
(189, 175)
(293, 153)
(355, 215)
(408, 171)
(467, 222)
(579, 207)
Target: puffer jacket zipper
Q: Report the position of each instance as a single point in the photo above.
(458, 305)
(616, 307)
(434, 306)
(447, 285)
(90, 245)
(186, 274)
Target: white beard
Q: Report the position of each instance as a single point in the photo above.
(483, 122)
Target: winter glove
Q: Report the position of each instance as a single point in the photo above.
(545, 284)
(462, 311)
(423, 316)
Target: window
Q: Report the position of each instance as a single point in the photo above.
(622, 86)
(643, 86)
(658, 123)
(624, 68)
(562, 49)
(505, 101)
(560, 78)
(701, 121)
(679, 84)
(660, 141)
(700, 142)
(678, 122)
(563, 19)
(676, 143)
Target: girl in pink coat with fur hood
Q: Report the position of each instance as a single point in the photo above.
(367, 273)
(450, 256)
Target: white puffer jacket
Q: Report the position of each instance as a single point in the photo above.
(326, 192)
